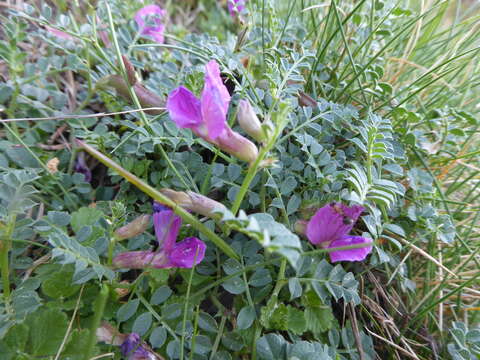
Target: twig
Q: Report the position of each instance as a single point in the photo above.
(399, 348)
(60, 349)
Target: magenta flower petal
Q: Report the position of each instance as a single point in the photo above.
(153, 27)
(332, 222)
(235, 6)
(214, 101)
(167, 226)
(187, 253)
(184, 108)
(358, 254)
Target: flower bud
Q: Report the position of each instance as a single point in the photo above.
(134, 228)
(194, 202)
(300, 227)
(130, 69)
(248, 121)
(146, 98)
(237, 145)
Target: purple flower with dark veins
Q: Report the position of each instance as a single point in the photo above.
(235, 6)
(81, 166)
(133, 349)
(184, 254)
(149, 21)
(329, 228)
(207, 116)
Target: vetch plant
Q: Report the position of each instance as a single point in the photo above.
(170, 254)
(304, 118)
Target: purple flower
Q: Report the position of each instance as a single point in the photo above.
(184, 254)
(207, 116)
(329, 228)
(133, 349)
(82, 168)
(167, 226)
(235, 6)
(149, 21)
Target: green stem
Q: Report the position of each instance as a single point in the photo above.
(252, 171)
(97, 318)
(5, 246)
(185, 309)
(156, 195)
(281, 278)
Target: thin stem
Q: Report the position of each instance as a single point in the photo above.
(281, 278)
(5, 246)
(252, 171)
(97, 318)
(185, 308)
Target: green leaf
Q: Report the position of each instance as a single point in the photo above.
(142, 323)
(207, 322)
(75, 349)
(296, 321)
(288, 185)
(246, 317)
(47, 330)
(85, 216)
(295, 288)
(235, 285)
(59, 284)
(158, 337)
(16, 339)
(59, 218)
(271, 347)
(161, 295)
(126, 311)
(233, 341)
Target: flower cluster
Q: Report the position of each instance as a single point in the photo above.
(149, 21)
(329, 228)
(170, 254)
(207, 116)
(235, 7)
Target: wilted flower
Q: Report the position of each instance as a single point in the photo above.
(134, 228)
(192, 201)
(235, 6)
(58, 33)
(329, 228)
(52, 165)
(149, 21)
(171, 254)
(82, 168)
(207, 116)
